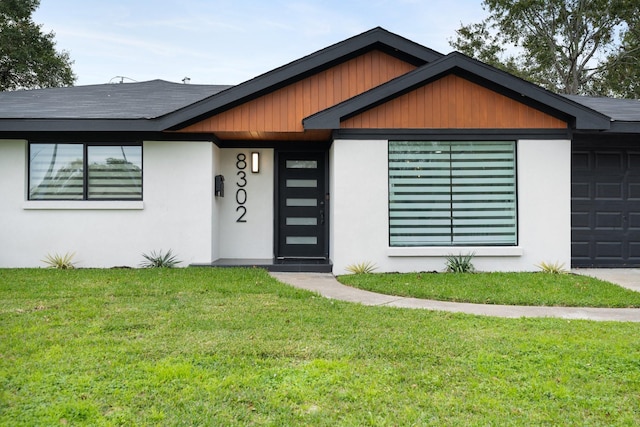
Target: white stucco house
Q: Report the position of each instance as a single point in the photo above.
(375, 149)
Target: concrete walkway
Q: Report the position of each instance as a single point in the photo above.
(327, 286)
(625, 277)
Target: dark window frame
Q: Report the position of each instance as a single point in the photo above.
(85, 169)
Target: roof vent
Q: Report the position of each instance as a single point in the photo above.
(122, 79)
(186, 80)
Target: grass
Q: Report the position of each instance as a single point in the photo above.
(540, 289)
(236, 348)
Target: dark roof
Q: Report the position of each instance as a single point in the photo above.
(581, 117)
(156, 106)
(145, 100)
(624, 110)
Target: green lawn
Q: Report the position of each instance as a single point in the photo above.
(235, 347)
(541, 289)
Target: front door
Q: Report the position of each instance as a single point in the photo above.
(302, 205)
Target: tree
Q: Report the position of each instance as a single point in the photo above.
(567, 46)
(622, 77)
(28, 58)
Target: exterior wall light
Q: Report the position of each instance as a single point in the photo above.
(255, 162)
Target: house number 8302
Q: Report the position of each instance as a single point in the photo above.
(241, 193)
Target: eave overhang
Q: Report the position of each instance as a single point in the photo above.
(622, 127)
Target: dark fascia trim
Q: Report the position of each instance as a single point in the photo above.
(451, 134)
(512, 86)
(105, 137)
(603, 140)
(617, 128)
(624, 127)
(322, 59)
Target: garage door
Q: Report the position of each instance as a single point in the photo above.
(605, 206)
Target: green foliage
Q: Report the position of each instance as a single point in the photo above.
(28, 57)
(160, 260)
(460, 263)
(552, 267)
(233, 347)
(364, 267)
(622, 77)
(60, 262)
(566, 46)
(569, 290)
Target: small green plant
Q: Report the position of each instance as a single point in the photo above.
(364, 267)
(159, 260)
(552, 268)
(460, 263)
(60, 262)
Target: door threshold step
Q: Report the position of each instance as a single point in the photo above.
(277, 265)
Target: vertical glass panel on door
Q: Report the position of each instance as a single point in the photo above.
(302, 240)
(302, 202)
(301, 221)
(302, 183)
(302, 164)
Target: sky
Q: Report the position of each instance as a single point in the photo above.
(229, 41)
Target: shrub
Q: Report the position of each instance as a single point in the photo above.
(364, 267)
(159, 260)
(552, 268)
(61, 262)
(460, 263)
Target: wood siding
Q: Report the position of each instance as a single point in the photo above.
(453, 102)
(282, 111)
(310, 135)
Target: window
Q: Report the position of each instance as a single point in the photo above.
(452, 193)
(85, 172)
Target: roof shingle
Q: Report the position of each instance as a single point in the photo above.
(144, 100)
(622, 110)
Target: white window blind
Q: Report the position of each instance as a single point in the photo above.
(115, 172)
(56, 172)
(452, 193)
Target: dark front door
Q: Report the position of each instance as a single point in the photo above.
(605, 206)
(302, 205)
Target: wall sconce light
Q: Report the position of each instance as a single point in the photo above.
(255, 162)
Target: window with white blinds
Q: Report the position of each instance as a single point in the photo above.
(115, 172)
(85, 172)
(56, 172)
(445, 193)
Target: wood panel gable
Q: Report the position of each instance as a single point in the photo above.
(453, 102)
(279, 113)
(458, 92)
